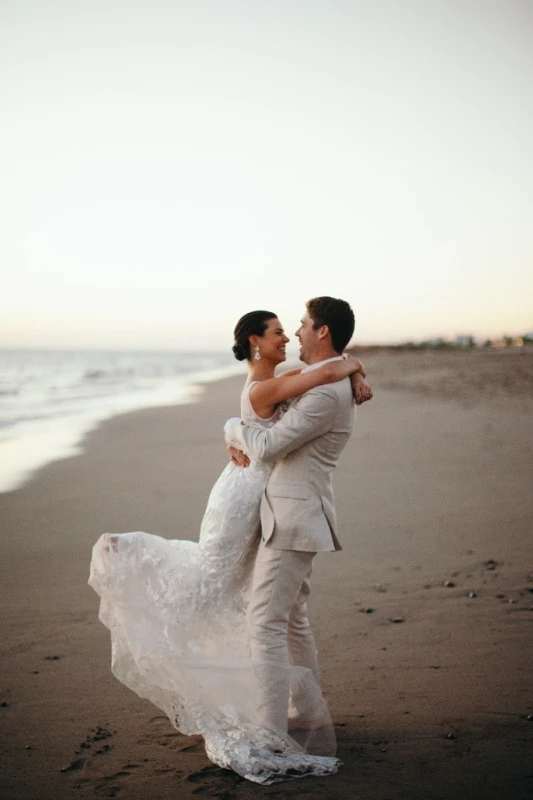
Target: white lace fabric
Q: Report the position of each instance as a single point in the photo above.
(176, 613)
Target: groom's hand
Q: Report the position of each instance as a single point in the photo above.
(237, 457)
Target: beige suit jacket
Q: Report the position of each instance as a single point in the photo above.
(298, 507)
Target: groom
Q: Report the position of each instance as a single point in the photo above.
(297, 510)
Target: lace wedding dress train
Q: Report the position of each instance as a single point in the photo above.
(176, 613)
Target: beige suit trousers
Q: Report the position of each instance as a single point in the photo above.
(280, 633)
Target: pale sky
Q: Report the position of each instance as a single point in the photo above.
(168, 166)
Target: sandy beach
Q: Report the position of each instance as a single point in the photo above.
(423, 621)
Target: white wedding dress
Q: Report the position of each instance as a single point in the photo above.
(176, 613)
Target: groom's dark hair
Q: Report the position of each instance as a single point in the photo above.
(337, 315)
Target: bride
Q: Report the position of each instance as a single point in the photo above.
(176, 609)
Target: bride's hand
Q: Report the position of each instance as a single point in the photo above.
(361, 389)
(357, 365)
(237, 457)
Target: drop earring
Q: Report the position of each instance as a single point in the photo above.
(257, 354)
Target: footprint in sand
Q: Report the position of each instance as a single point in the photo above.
(106, 784)
(213, 779)
(79, 763)
(165, 735)
(95, 736)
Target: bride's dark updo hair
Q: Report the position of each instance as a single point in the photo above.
(253, 323)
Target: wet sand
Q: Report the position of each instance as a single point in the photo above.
(424, 621)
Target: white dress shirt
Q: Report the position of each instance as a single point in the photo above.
(309, 367)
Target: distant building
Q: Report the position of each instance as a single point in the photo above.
(464, 341)
(508, 341)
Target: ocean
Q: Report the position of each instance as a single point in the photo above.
(49, 399)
